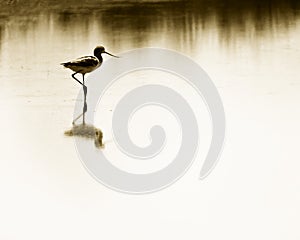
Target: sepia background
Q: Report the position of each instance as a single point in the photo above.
(251, 51)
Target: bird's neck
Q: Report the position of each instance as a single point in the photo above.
(99, 57)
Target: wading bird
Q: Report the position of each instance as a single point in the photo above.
(85, 65)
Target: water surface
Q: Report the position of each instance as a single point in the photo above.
(251, 51)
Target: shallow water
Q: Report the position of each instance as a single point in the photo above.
(250, 50)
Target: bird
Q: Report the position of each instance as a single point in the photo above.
(85, 65)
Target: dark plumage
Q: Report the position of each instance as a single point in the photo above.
(87, 64)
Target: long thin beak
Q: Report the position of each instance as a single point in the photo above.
(111, 55)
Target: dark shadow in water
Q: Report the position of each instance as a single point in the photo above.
(88, 132)
(181, 21)
(1, 36)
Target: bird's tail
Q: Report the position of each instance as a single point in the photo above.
(65, 64)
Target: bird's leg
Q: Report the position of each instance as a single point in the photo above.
(73, 76)
(82, 114)
(85, 104)
(76, 119)
(84, 87)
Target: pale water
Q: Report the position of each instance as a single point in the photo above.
(251, 52)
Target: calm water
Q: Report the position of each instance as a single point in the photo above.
(251, 50)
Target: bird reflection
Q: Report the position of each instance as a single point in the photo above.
(87, 131)
(85, 65)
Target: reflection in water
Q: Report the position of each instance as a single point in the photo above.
(182, 20)
(251, 50)
(178, 22)
(84, 65)
(36, 37)
(87, 131)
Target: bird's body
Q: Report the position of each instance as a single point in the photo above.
(85, 65)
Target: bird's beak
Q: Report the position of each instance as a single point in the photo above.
(111, 55)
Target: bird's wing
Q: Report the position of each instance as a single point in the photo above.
(87, 61)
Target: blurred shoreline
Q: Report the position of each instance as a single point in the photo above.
(232, 18)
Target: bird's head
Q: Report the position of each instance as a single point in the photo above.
(100, 49)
